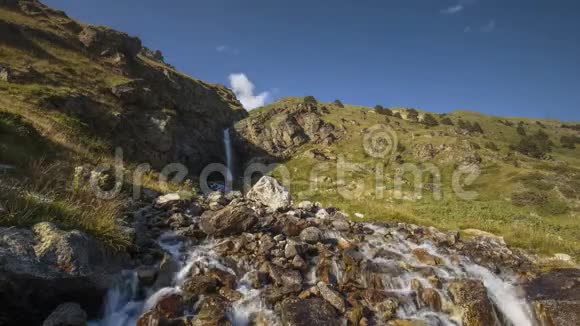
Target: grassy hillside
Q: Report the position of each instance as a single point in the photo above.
(532, 202)
(58, 112)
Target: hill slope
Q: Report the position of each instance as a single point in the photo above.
(71, 93)
(531, 199)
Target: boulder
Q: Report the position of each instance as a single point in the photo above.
(332, 296)
(46, 266)
(270, 193)
(306, 312)
(212, 312)
(311, 235)
(471, 296)
(231, 220)
(67, 314)
(556, 296)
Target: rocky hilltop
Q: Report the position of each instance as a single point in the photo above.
(116, 89)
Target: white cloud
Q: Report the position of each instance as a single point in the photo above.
(227, 49)
(244, 90)
(452, 10)
(489, 27)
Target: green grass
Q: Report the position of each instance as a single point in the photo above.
(546, 227)
(47, 196)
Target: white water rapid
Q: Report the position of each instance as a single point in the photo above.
(386, 248)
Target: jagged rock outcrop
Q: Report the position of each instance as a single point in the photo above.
(279, 132)
(44, 266)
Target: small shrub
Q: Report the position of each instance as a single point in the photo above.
(397, 115)
(475, 145)
(379, 109)
(521, 130)
(388, 112)
(412, 114)
(338, 103)
(554, 207)
(430, 121)
(529, 198)
(310, 100)
(446, 121)
(569, 141)
(492, 146)
(536, 146)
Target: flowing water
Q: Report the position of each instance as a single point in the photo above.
(125, 303)
(229, 159)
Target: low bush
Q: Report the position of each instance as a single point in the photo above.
(529, 198)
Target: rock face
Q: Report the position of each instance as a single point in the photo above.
(270, 193)
(135, 101)
(45, 266)
(279, 132)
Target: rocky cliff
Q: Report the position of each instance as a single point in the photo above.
(106, 80)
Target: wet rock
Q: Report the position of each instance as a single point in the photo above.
(198, 285)
(229, 294)
(471, 296)
(146, 275)
(311, 235)
(270, 193)
(286, 277)
(67, 314)
(557, 312)
(168, 267)
(556, 296)
(305, 312)
(224, 278)
(408, 322)
(425, 257)
(298, 263)
(170, 306)
(383, 304)
(229, 221)
(332, 296)
(341, 225)
(212, 312)
(431, 298)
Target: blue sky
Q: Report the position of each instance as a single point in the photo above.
(503, 57)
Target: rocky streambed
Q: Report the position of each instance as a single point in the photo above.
(226, 259)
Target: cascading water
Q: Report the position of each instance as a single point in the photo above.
(229, 159)
(124, 305)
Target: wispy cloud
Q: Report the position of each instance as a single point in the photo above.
(489, 27)
(244, 90)
(227, 49)
(452, 10)
(467, 29)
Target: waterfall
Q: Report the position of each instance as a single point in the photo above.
(229, 159)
